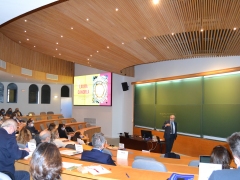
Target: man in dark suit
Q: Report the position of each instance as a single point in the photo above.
(170, 133)
(233, 174)
(96, 154)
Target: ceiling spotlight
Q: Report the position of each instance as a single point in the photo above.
(56, 49)
(71, 27)
(201, 30)
(172, 33)
(122, 42)
(97, 51)
(235, 29)
(53, 56)
(19, 41)
(34, 46)
(61, 36)
(87, 19)
(116, 9)
(90, 64)
(155, 1)
(90, 55)
(108, 47)
(56, 42)
(27, 39)
(25, 20)
(59, 54)
(144, 37)
(88, 59)
(25, 31)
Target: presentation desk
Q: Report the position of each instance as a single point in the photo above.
(138, 143)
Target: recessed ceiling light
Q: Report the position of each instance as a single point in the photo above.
(19, 41)
(88, 59)
(87, 19)
(122, 42)
(97, 51)
(116, 9)
(27, 39)
(172, 33)
(25, 31)
(56, 49)
(53, 56)
(71, 27)
(144, 37)
(108, 47)
(61, 36)
(34, 46)
(90, 55)
(59, 54)
(56, 42)
(201, 30)
(25, 20)
(235, 29)
(90, 64)
(155, 1)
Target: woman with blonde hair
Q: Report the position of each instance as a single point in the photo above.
(25, 136)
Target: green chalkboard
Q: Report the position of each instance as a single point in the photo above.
(203, 106)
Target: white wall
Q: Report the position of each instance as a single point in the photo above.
(119, 117)
(22, 99)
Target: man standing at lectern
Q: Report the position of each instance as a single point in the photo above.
(170, 133)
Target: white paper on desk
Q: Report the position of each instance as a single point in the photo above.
(121, 146)
(96, 170)
(122, 154)
(31, 146)
(79, 148)
(206, 169)
(68, 165)
(122, 162)
(69, 152)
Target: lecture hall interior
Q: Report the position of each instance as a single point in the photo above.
(178, 57)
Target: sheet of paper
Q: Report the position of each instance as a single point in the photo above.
(96, 170)
(206, 169)
(69, 152)
(31, 146)
(68, 165)
(122, 154)
(121, 146)
(79, 148)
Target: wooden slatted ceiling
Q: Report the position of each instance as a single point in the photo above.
(172, 29)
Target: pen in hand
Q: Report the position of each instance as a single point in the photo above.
(127, 175)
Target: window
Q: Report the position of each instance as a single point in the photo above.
(12, 93)
(1, 92)
(33, 94)
(65, 91)
(46, 93)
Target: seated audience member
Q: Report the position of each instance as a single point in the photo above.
(2, 112)
(9, 112)
(14, 117)
(9, 151)
(25, 136)
(45, 136)
(230, 174)
(18, 113)
(76, 136)
(31, 128)
(96, 154)
(55, 139)
(46, 163)
(220, 155)
(51, 126)
(61, 131)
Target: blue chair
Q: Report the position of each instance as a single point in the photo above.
(194, 163)
(106, 151)
(149, 165)
(143, 157)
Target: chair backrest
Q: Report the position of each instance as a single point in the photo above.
(143, 157)
(42, 113)
(22, 146)
(42, 127)
(50, 112)
(49, 117)
(73, 120)
(60, 117)
(31, 114)
(149, 165)
(48, 124)
(56, 122)
(64, 121)
(106, 151)
(74, 129)
(24, 118)
(4, 176)
(194, 163)
(88, 125)
(79, 126)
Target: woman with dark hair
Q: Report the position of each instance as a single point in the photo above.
(76, 136)
(51, 126)
(9, 112)
(46, 162)
(31, 128)
(61, 131)
(220, 155)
